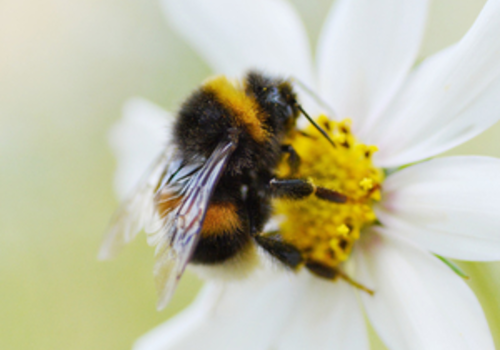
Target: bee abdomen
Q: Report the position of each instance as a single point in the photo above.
(220, 248)
(224, 234)
(221, 218)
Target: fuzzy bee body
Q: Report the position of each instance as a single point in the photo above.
(208, 197)
(260, 113)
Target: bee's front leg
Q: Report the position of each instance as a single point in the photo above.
(300, 189)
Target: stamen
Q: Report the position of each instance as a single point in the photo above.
(366, 184)
(343, 230)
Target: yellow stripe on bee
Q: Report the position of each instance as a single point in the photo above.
(244, 108)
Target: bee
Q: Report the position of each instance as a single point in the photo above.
(208, 196)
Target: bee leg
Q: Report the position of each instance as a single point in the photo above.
(300, 189)
(284, 252)
(332, 273)
(293, 158)
(258, 211)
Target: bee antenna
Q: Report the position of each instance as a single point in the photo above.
(323, 132)
(316, 98)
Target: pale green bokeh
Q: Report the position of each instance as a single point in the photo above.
(66, 67)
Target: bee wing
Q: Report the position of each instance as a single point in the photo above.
(181, 230)
(137, 212)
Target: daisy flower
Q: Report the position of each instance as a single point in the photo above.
(389, 113)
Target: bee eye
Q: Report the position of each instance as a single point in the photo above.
(274, 96)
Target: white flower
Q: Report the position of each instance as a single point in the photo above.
(446, 206)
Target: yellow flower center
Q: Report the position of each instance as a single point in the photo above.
(323, 231)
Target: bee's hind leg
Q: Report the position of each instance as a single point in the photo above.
(301, 189)
(284, 252)
(330, 273)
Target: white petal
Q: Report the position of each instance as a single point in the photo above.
(366, 49)
(183, 324)
(449, 99)
(242, 315)
(327, 316)
(451, 206)
(418, 303)
(137, 140)
(237, 35)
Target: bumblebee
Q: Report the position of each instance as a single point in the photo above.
(207, 198)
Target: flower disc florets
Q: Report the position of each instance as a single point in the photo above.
(325, 232)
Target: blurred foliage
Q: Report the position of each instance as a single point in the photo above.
(66, 68)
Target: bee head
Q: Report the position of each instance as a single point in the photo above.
(277, 99)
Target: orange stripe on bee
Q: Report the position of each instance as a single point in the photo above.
(167, 202)
(220, 218)
(245, 109)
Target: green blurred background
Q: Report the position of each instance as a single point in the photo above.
(66, 68)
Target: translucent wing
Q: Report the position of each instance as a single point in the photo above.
(137, 212)
(181, 227)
